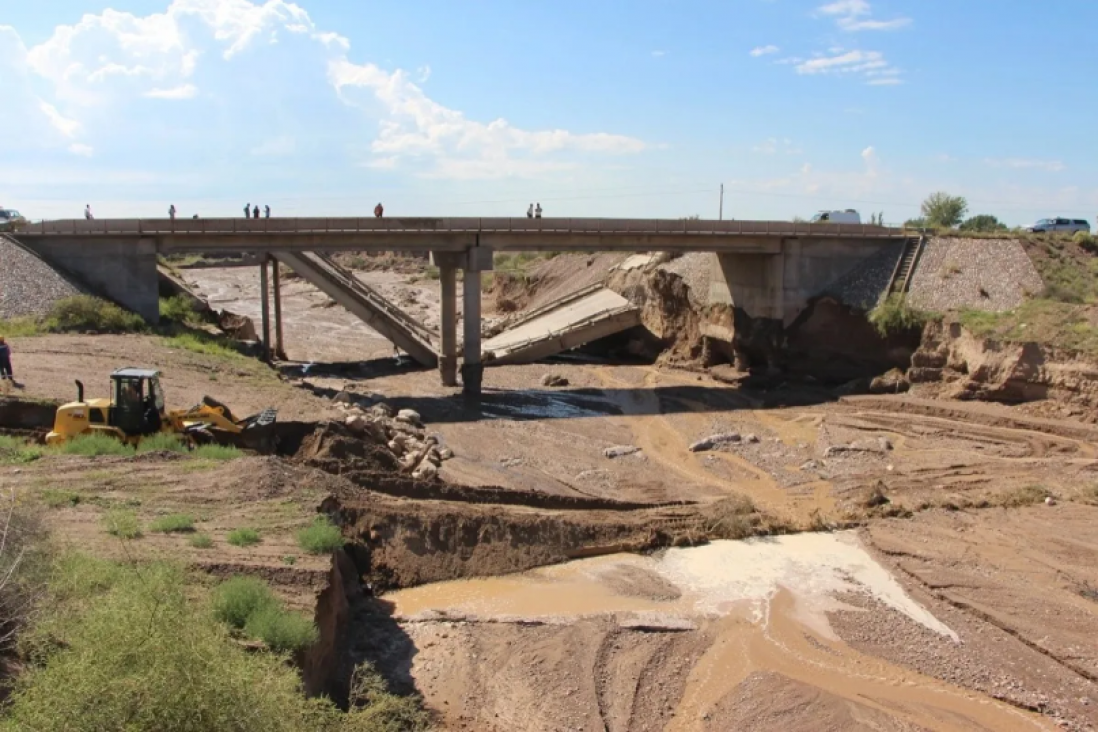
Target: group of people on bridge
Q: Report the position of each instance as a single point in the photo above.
(252, 212)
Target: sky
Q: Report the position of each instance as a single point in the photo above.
(610, 108)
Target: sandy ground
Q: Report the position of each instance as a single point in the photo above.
(862, 642)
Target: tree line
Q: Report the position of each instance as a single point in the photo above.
(942, 211)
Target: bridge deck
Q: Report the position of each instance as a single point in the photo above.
(456, 234)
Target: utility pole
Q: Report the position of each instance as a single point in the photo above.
(720, 214)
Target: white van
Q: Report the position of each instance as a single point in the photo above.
(849, 216)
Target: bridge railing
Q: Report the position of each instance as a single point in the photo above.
(421, 225)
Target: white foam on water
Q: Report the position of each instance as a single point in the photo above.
(814, 568)
(715, 580)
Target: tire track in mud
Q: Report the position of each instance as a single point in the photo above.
(985, 617)
(663, 443)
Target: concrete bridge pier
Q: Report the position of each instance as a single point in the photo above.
(478, 259)
(448, 264)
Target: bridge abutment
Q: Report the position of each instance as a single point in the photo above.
(122, 269)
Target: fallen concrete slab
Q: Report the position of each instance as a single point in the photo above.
(581, 317)
(408, 334)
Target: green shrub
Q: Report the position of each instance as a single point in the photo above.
(283, 631)
(375, 709)
(893, 315)
(136, 651)
(173, 523)
(179, 309)
(161, 442)
(1086, 240)
(123, 523)
(237, 599)
(93, 444)
(15, 451)
(217, 452)
(243, 537)
(201, 541)
(321, 538)
(55, 498)
(198, 341)
(84, 313)
(1024, 496)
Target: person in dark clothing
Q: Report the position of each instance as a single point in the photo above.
(5, 361)
(256, 214)
(247, 210)
(379, 210)
(266, 212)
(171, 212)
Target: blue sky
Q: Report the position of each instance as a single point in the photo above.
(607, 108)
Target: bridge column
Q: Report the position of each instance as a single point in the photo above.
(448, 264)
(276, 290)
(472, 369)
(265, 307)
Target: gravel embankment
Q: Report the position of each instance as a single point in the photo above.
(28, 286)
(866, 284)
(987, 274)
(696, 270)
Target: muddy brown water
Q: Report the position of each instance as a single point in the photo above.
(764, 601)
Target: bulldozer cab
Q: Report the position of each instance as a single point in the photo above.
(137, 401)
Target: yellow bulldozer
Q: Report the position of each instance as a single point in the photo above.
(136, 410)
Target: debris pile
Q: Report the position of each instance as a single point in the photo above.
(376, 438)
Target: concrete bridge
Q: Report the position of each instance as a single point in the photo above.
(770, 268)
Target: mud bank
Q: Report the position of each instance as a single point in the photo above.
(972, 368)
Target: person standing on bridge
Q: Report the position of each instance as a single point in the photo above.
(379, 210)
(171, 212)
(537, 211)
(255, 214)
(530, 211)
(247, 210)
(88, 212)
(266, 211)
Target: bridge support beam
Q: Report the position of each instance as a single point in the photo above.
(479, 259)
(448, 264)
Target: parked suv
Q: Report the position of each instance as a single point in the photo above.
(1069, 226)
(11, 220)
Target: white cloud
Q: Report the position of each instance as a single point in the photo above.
(183, 91)
(853, 15)
(871, 160)
(870, 64)
(415, 126)
(1052, 166)
(79, 148)
(764, 50)
(64, 125)
(112, 57)
(659, 54)
(847, 62)
(158, 51)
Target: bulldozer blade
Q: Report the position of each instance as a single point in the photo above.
(258, 438)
